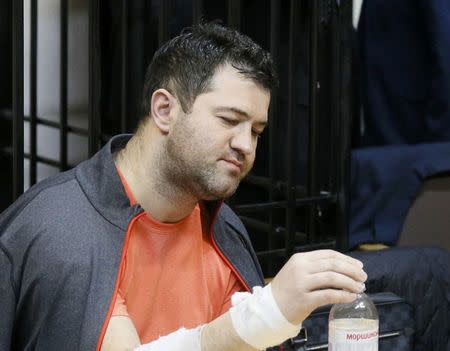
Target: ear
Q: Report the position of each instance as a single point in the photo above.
(163, 105)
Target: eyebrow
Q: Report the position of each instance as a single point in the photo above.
(239, 112)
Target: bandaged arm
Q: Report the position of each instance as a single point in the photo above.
(253, 323)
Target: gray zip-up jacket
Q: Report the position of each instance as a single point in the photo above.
(61, 249)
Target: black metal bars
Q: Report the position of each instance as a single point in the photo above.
(94, 77)
(234, 14)
(18, 129)
(124, 68)
(255, 207)
(344, 53)
(297, 248)
(313, 116)
(290, 132)
(56, 125)
(33, 120)
(163, 22)
(63, 104)
(274, 110)
(197, 11)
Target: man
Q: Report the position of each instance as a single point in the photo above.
(136, 243)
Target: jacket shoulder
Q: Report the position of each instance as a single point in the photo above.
(32, 196)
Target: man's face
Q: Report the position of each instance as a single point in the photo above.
(210, 149)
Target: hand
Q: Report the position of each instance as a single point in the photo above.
(312, 279)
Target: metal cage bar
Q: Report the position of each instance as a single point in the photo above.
(290, 131)
(163, 22)
(123, 67)
(45, 160)
(334, 94)
(274, 50)
(197, 11)
(313, 117)
(345, 96)
(234, 13)
(33, 91)
(308, 201)
(18, 113)
(297, 248)
(94, 77)
(51, 124)
(63, 104)
(335, 77)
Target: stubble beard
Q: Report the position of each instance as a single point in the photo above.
(187, 169)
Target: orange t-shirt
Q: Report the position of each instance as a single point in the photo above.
(172, 276)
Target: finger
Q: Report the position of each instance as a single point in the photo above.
(326, 280)
(331, 254)
(331, 296)
(339, 266)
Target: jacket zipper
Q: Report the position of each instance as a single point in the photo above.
(116, 286)
(221, 254)
(229, 264)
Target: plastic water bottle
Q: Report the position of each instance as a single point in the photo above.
(353, 326)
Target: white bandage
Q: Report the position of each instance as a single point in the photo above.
(180, 340)
(258, 320)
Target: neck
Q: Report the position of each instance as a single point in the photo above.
(140, 164)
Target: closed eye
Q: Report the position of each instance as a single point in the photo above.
(229, 121)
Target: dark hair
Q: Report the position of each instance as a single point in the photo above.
(186, 64)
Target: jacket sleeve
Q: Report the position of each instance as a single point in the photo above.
(7, 302)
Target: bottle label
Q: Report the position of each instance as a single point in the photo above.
(353, 335)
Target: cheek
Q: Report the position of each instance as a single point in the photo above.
(204, 146)
(213, 140)
(206, 141)
(207, 138)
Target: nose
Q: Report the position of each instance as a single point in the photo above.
(243, 140)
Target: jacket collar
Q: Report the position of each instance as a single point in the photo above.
(101, 184)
